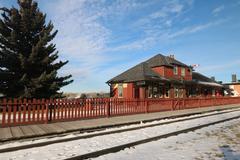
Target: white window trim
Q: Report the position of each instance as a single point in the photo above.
(175, 73)
(183, 71)
(120, 85)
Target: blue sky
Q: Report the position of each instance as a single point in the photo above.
(102, 38)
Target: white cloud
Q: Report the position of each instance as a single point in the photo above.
(167, 12)
(84, 35)
(218, 10)
(81, 37)
(165, 35)
(157, 25)
(193, 29)
(219, 68)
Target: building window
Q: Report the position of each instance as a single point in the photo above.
(213, 92)
(190, 71)
(120, 90)
(155, 91)
(160, 91)
(182, 71)
(175, 70)
(180, 93)
(167, 91)
(176, 90)
(150, 91)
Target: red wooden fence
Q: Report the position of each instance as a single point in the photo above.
(22, 112)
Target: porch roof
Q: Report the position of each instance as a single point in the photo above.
(203, 80)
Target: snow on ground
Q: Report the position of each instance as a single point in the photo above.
(82, 146)
(221, 141)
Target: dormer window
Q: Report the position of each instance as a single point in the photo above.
(175, 70)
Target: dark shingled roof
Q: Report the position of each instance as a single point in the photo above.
(199, 77)
(139, 72)
(143, 70)
(161, 60)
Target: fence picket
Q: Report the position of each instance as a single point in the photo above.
(19, 112)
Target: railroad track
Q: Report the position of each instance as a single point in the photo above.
(131, 144)
(118, 148)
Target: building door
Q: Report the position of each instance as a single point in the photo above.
(136, 92)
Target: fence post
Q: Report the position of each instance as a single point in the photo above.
(183, 103)
(108, 107)
(9, 107)
(146, 105)
(199, 102)
(14, 111)
(50, 108)
(4, 103)
(47, 114)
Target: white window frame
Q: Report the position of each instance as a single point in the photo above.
(183, 71)
(175, 70)
(150, 91)
(167, 92)
(120, 90)
(176, 92)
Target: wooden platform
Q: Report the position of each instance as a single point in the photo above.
(37, 130)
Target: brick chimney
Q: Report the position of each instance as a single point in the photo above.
(172, 56)
(234, 78)
(213, 78)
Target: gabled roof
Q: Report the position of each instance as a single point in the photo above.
(161, 60)
(143, 70)
(139, 72)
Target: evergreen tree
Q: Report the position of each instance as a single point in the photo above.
(28, 59)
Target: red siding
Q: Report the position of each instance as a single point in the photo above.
(127, 90)
(130, 90)
(168, 72)
(188, 74)
(159, 70)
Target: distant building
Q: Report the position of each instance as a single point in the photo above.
(86, 95)
(234, 86)
(163, 77)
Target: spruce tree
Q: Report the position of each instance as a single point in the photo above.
(28, 60)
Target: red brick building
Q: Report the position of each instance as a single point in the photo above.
(234, 86)
(163, 77)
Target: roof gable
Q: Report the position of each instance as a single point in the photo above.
(137, 73)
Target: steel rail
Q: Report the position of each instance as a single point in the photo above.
(147, 140)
